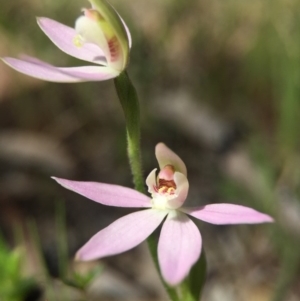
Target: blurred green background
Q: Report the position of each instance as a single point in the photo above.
(219, 83)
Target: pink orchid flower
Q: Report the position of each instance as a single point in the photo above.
(100, 37)
(180, 243)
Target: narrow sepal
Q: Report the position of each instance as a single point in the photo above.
(224, 214)
(107, 194)
(63, 37)
(122, 235)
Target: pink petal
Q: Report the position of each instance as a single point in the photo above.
(165, 157)
(122, 235)
(107, 194)
(179, 247)
(91, 73)
(63, 36)
(182, 190)
(41, 70)
(222, 214)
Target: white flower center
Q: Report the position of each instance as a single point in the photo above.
(161, 201)
(165, 189)
(163, 193)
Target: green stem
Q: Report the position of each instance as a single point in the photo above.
(130, 104)
(134, 155)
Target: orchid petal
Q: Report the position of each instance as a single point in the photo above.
(63, 37)
(45, 71)
(40, 70)
(182, 189)
(222, 214)
(122, 235)
(91, 73)
(107, 194)
(179, 247)
(165, 156)
(151, 181)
